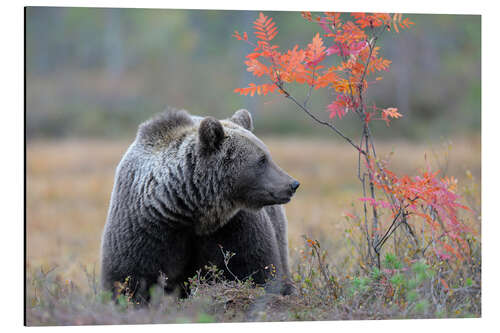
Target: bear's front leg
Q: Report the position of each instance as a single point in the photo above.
(133, 262)
(252, 237)
(277, 217)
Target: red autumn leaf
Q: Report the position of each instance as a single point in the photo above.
(324, 25)
(334, 49)
(339, 107)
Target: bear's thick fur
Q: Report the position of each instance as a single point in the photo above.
(186, 185)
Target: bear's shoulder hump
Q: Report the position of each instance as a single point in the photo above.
(164, 127)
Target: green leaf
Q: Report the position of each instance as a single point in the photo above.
(205, 318)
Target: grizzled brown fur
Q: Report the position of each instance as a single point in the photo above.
(186, 185)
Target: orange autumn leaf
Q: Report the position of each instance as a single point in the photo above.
(256, 67)
(253, 89)
(390, 113)
(265, 28)
(315, 51)
(443, 282)
(307, 16)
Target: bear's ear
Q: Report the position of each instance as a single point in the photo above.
(243, 118)
(211, 134)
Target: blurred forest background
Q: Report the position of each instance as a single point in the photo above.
(98, 73)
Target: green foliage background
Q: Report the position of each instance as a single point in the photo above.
(93, 72)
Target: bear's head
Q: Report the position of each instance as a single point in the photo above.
(250, 177)
(201, 171)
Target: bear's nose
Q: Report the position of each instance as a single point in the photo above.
(294, 185)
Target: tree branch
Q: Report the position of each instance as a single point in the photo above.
(322, 122)
(310, 88)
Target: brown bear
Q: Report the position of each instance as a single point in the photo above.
(186, 186)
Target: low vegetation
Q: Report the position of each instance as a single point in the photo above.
(399, 290)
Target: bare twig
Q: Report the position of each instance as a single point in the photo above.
(322, 122)
(310, 88)
(372, 193)
(365, 209)
(362, 180)
(388, 233)
(325, 271)
(227, 256)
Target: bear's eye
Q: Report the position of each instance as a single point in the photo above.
(262, 160)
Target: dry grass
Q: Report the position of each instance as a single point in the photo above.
(69, 184)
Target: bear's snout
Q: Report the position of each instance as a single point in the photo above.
(294, 186)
